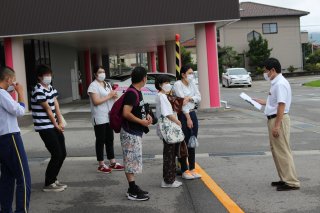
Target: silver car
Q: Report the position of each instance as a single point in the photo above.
(236, 77)
(149, 91)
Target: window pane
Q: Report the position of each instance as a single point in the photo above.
(270, 28)
(266, 28)
(273, 28)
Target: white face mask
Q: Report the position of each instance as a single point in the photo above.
(101, 76)
(11, 87)
(47, 80)
(266, 77)
(190, 77)
(166, 87)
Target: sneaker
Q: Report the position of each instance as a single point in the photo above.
(104, 169)
(60, 184)
(187, 175)
(175, 184)
(117, 167)
(140, 190)
(137, 195)
(52, 188)
(195, 174)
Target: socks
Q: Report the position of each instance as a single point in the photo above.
(132, 184)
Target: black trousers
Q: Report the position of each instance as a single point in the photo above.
(187, 134)
(55, 144)
(169, 162)
(104, 138)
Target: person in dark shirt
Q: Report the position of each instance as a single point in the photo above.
(135, 124)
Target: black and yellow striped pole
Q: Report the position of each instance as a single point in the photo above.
(178, 56)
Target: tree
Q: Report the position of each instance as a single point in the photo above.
(314, 58)
(228, 57)
(258, 52)
(186, 58)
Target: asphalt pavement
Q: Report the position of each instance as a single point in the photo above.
(233, 152)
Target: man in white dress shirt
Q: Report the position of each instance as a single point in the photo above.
(277, 109)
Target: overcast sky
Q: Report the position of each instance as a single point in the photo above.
(311, 22)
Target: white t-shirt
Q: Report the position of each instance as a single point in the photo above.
(100, 113)
(163, 106)
(280, 92)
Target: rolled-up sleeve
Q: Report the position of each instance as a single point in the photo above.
(197, 96)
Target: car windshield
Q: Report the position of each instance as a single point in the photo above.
(151, 78)
(238, 72)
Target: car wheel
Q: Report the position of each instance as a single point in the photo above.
(249, 85)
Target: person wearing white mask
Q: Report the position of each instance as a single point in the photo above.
(102, 98)
(15, 174)
(164, 108)
(277, 111)
(48, 122)
(186, 88)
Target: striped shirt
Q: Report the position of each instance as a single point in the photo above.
(40, 94)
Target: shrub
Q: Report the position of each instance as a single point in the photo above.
(311, 67)
(291, 68)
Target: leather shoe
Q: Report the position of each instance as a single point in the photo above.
(286, 187)
(278, 183)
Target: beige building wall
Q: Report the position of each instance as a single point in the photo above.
(286, 44)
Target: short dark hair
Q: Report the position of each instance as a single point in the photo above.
(160, 80)
(138, 74)
(184, 69)
(43, 69)
(5, 72)
(273, 63)
(96, 68)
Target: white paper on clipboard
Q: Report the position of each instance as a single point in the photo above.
(248, 99)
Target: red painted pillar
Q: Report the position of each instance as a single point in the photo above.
(213, 64)
(87, 67)
(9, 58)
(161, 59)
(8, 52)
(153, 62)
(208, 69)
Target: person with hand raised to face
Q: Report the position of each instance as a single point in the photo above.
(102, 98)
(15, 172)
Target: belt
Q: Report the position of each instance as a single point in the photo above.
(273, 116)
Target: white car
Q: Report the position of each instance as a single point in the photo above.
(149, 91)
(236, 77)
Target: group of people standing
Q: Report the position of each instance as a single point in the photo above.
(137, 119)
(49, 123)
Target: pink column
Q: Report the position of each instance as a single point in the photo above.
(8, 52)
(9, 58)
(87, 67)
(162, 59)
(213, 65)
(153, 62)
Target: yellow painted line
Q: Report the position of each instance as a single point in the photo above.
(226, 201)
